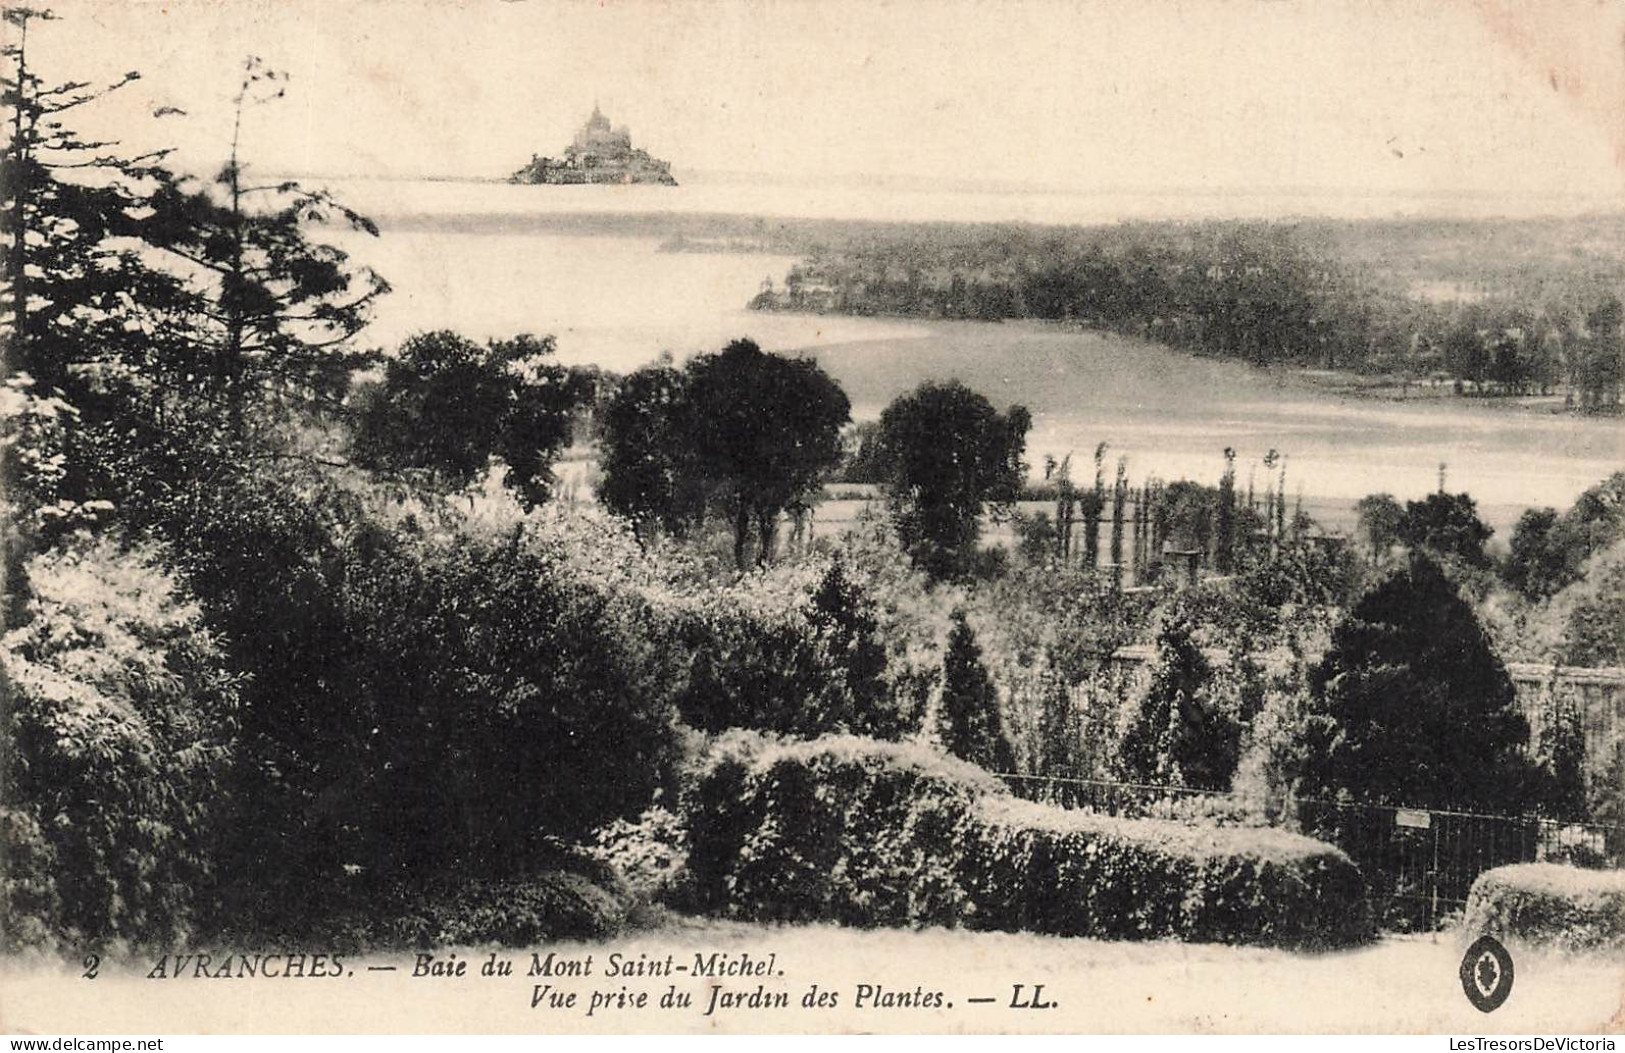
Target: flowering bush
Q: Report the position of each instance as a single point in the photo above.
(650, 853)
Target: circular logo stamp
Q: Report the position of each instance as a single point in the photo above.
(1486, 974)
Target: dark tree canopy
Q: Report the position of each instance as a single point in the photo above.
(1411, 705)
(1595, 521)
(650, 471)
(742, 431)
(766, 428)
(1186, 511)
(446, 406)
(948, 454)
(1535, 565)
(1446, 525)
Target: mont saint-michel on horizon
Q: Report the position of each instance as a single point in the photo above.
(600, 153)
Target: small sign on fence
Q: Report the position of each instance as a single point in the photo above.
(1414, 818)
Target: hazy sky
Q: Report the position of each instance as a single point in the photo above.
(1442, 96)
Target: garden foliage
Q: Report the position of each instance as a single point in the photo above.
(119, 729)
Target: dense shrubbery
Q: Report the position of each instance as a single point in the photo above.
(120, 728)
(1548, 905)
(423, 694)
(795, 654)
(1070, 873)
(866, 833)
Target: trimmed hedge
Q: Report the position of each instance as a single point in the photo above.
(1070, 873)
(867, 833)
(1547, 905)
(841, 829)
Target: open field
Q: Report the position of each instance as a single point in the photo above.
(1397, 985)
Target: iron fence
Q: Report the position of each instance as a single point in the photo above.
(1419, 863)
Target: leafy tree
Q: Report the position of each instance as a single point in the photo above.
(651, 471)
(949, 453)
(765, 429)
(1380, 517)
(1186, 513)
(1595, 521)
(1411, 706)
(1535, 566)
(446, 406)
(1549, 551)
(1595, 627)
(1446, 525)
(970, 723)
